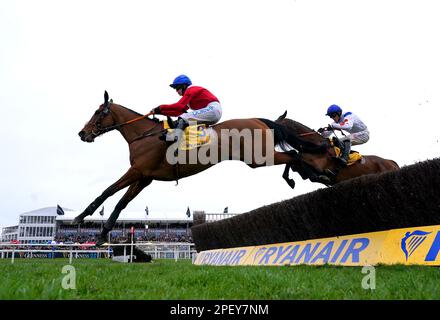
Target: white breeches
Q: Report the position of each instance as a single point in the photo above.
(210, 114)
(358, 137)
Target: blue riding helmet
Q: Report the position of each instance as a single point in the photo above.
(333, 109)
(181, 80)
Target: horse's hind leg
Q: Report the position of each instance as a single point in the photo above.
(127, 179)
(131, 193)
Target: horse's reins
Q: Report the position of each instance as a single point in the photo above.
(147, 133)
(313, 132)
(307, 134)
(116, 126)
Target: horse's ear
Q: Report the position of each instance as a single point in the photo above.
(282, 117)
(105, 97)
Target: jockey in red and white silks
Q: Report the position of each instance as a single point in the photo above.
(205, 107)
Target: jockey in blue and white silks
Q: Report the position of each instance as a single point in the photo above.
(348, 121)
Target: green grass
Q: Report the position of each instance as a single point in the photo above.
(167, 279)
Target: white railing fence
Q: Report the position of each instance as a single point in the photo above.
(159, 250)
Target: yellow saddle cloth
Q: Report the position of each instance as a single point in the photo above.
(352, 158)
(194, 136)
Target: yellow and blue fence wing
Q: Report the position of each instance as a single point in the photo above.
(418, 245)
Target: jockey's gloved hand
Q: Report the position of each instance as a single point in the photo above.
(156, 110)
(321, 130)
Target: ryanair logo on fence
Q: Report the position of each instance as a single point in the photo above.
(412, 240)
(223, 257)
(403, 246)
(345, 251)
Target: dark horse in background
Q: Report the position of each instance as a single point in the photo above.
(324, 167)
(149, 161)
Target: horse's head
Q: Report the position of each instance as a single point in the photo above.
(99, 123)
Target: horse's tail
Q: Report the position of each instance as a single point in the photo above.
(283, 134)
(396, 164)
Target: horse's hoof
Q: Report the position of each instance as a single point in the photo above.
(291, 184)
(100, 242)
(325, 180)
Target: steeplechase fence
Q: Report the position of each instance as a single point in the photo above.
(387, 218)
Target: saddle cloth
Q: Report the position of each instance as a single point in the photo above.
(353, 157)
(193, 137)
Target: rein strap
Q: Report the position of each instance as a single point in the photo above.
(127, 122)
(307, 134)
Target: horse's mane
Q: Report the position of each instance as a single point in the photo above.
(286, 133)
(294, 125)
(139, 114)
(298, 125)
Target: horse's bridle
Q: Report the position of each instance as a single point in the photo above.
(98, 121)
(107, 111)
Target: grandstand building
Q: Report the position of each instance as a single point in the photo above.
(38, 226)
(47, 225)
(10, 234)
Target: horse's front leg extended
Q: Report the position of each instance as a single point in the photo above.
(131, 193)
(306, 171)
(127, 179)
(289, 181)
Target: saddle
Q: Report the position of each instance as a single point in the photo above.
(194, 136)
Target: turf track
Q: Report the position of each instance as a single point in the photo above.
(167, 279)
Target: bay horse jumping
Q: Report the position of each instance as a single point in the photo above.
(325, 168)
(149, 152)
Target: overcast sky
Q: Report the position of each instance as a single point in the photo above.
(378, 59)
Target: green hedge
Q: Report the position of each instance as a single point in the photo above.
(409, 197)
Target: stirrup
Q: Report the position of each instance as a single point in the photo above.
(163, 137)
(169, 137)
(342, 161)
